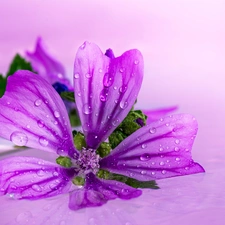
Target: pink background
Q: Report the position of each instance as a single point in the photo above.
(183, 44)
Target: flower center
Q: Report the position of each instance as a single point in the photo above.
(88, 161)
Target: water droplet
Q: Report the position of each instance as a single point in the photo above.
(153, 173)
(143, 172)
(186, 168)
(161, 149)
(152, 130)
(87, 109)
(116, 101)
(56, 114)
(88, 75)
(176, 149)
(38, 102)
(36, 188)
(123, 104)
(163, 172)
(76, 75)
(145, 157)
(143, 146)
(161, 119)
(177, 159)
(177, 141)
(79, 94)
(19, 138)
(100, 70)
(161, 163)
(115, 88)
(167, 124)
(107, 80)
(121, 70)
(123, 89)
(115, 122)
(103, 95)
(46, 101)
(55, 174)
(8, 103)
(28, 126)
(40, 123)
(43, 141)
(86, 126)
(40, 173)
(136, 62)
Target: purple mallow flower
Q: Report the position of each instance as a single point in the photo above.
(32, 114)
(54, 72)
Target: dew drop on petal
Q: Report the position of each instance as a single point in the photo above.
(121, 70)
(24, 217)
(87, 109)
(19, 138)
(152, 130)
(40, 173)
(43, 141)
(55, 174)
(56, 114)
(40, 123)
(83, 46)
(143, 172)
(38, 102)
(115, 122)
(136, 62)
(163, 172)
(176, 149)
(123, 104)
(145, 157)
(161, 163)
(100, 70)
(76, 75)
(177, 141)
(177, 159)
(36, 188)
(79, 94)
(86, 126)
(88, 75)
(107, 80)
(123, 89)
(143, 146)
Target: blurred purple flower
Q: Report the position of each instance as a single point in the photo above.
(34, 115)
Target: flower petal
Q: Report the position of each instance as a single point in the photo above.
(33, 114)
(159, 150)
(98, 191)
(32, 178)
(156, 114)
(105, 89)
(46, 66)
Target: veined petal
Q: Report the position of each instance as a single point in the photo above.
(156, 114)
(159, 150)
(105, 89)
(32, 178)
(98, 191)
(46, 66)
(33, 114)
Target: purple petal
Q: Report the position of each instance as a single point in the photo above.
(105, 89)
(156, 114)
(98, 191)
(159, 150)
(33, 114)
(46, 66)
(32, 178)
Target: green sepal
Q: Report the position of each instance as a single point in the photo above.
(18, 63)
(133, 182)
(78, 181)
(79, 140)
(116, 137)
(3, 82)
(74, 118)
(64, 161)
(104, 149)
(128, 126)
(68, 95)
(104, 174)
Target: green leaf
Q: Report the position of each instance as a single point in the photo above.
(3, 81)
(18, 63)
(74, 118)
(79, 141)
(68, 95)
(104, 149)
